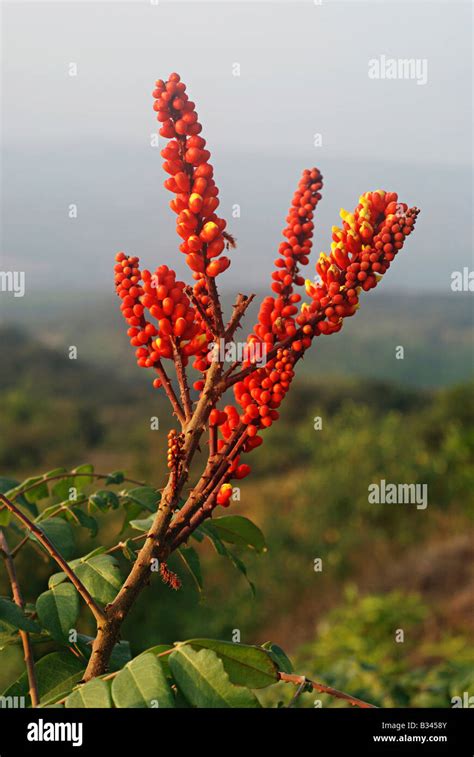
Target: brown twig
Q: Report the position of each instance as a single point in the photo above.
(212, 441)
(24, 635)
(66, 474)
(238, 313)
(213, 468)
(170, 393)
(154, 546)
(300, 690)
(182, 381)
(299, 680)
(97, 611)
(20, 544)
(211, 286)
(202, 501)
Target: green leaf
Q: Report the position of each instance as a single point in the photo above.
(203, 681)
(277, 654)
(58, 578)
(10, 486)
(246, 665)
(208, 530)
(76, 515)
(103, 500)
(143, 524)
(80, 482)
(237, 563)
(93, 694)
(132, 510)
(157, 650)
(145, 496)
(13, 619)
(191, 559)
(100, 575)
(56, 674)
(40, 491)
(58, 609)
(117, 477)
(60, 534)
(51, 509)
(120, 653)
(6, 484)
(128, 551)
(61, 487)
(55, 472)
(239, 530)
(142, 683)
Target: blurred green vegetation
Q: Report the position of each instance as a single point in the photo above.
(308, 492)
(359, 649)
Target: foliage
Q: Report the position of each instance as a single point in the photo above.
(355, 647)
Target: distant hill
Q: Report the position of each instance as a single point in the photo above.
(436, 332)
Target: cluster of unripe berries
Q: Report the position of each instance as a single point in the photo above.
(175, 449)
(187, 162)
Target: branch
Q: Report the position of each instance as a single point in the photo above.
(168, 387)
(97, 611)
(66, 474)
(230, 380)
(212, 441)
(206, 483)
(154, 547)
(238, 312)
(216, 305)
(24, 635)
(182, 381)
(300, 680)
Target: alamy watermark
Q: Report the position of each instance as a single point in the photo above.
(231, 352)
(44, 731)
(411, 69)
(13, 281)
(398, 494)
(9, 703)
(462, 281)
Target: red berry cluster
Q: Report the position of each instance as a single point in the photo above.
(296, 249)
(128, 286)
(186, 321)
(187, 162)
(228, 420)
(277, 314)
(167, 303)
(262, 393)
(361, 252)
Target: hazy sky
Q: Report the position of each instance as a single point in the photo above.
(85, 139)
